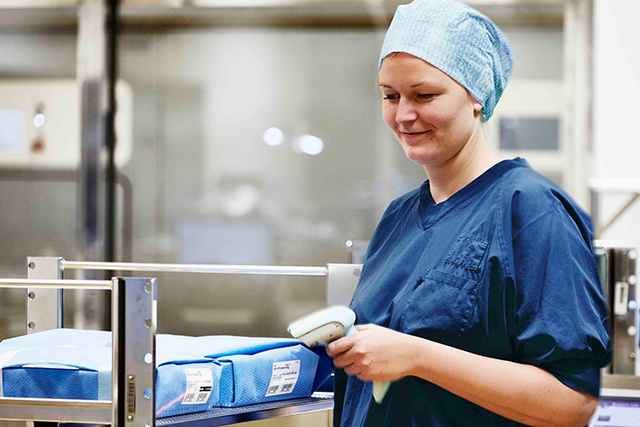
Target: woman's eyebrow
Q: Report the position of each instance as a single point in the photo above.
(415, 85)
(429, 84)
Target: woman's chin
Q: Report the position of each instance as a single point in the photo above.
(420, 158)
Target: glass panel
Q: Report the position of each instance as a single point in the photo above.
(210, 184)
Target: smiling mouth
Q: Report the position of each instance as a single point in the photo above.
(411, 134)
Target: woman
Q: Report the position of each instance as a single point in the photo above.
(479, 298)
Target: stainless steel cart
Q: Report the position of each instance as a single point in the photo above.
(133, 307)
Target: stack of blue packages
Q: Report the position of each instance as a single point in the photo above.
(193, 373)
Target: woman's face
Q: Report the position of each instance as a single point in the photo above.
(433, 117)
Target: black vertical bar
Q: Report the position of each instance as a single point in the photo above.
(339, 391)
(118, 370)
(110, 139)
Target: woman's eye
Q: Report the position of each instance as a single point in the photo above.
(390, 97)
(426, 95)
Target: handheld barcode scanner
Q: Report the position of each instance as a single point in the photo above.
(326, 325)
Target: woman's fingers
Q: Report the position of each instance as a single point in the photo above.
(374, 353)
(340, 346)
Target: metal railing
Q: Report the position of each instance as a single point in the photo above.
(133, 316)
(133, 303)
(196, 268)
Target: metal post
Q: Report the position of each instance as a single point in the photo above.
(91, 77)
(44, 306)
(93, 309)
(133, 370)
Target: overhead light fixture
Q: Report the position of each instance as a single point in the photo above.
(308, 144)
(273, 136)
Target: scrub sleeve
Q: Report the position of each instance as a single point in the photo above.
(503, 268)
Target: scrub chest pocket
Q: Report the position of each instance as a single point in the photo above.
(444, 299)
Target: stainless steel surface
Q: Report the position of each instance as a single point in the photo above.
(133, 370)
(62, 284)
(357, 250)
(226, 416)
(80, 411)
(133, 380)
(341, 282)
(44, 306)
(620, 382)
(624, 309)
(196, 268)
(99, 411)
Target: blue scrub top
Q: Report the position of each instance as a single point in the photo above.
(503, 268)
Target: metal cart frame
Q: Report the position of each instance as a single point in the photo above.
(133, 335)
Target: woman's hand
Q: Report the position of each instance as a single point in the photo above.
(374, 353)
(520, 392)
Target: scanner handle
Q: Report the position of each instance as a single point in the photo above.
(380, 388)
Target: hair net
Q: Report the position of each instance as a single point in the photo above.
(458, 40)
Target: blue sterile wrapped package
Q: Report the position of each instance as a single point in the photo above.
(76, 364)
(267, 369)
(186, 381)
(253, 370)
(63, 364)
(193, 373)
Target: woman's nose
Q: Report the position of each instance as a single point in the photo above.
(406, 112)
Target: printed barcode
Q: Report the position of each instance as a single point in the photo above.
(287, 388)
(273, 389)
(189, 397)
(201, 398)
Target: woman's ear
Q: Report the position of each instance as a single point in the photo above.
(477, 110)
(477, 107)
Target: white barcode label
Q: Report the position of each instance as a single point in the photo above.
(199, 386)
(621, 303)
(284, 376)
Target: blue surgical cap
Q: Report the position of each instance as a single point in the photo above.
(458, 40)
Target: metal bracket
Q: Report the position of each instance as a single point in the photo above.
(44, 306)
(623, 307)
(342, 280)
(134, 334)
